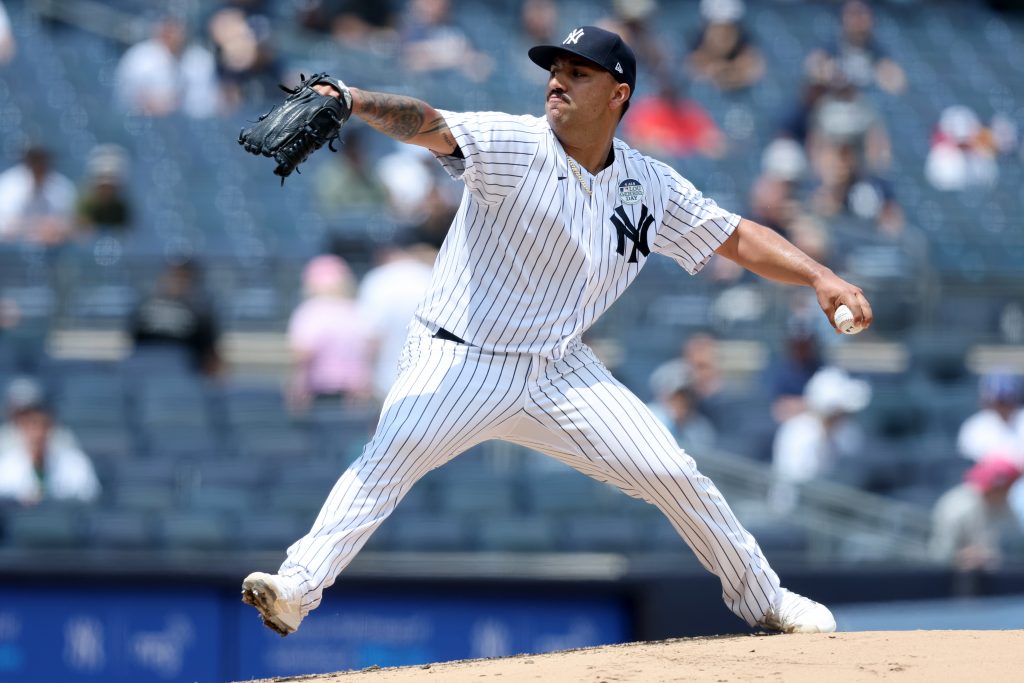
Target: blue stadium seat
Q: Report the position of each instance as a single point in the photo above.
(45, 525)
(568, 492)
(119, 529)
(516, 534)
(602, 533)
(200, 530)
(154, 362)
(106, 443)
(484, 496)
(779, 537)
(221, 498)
(437, 533)
(274, 530)
(294, 444)
(147, 484)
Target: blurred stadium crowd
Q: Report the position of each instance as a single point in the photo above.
(148, 269)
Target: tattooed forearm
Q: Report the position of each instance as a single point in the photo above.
(439, 127)
(404, 118)
(399, 116)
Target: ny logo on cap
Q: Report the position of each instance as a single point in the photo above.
(618, 66)
(573, 37)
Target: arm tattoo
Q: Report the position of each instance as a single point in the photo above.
(439, 126)
(399, 116)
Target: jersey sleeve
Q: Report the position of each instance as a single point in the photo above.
(496, 151)
(693, 227)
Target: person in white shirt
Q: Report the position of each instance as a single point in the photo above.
(557, 218)
(998, 428)
(388, 296)
(37, 204)
(38, 458)
(165, 74)
(808, 444)
(999, 425)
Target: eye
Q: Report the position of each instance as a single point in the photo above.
(578, 74)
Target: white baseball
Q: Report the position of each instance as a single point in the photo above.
(844, 320)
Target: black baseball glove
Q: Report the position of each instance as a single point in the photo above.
(293, 130)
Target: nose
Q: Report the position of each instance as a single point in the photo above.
(554, 83)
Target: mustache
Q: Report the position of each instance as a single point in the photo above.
(559, 93)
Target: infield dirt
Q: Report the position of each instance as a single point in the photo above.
(933, 656)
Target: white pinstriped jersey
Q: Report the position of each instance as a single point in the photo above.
(532, 260)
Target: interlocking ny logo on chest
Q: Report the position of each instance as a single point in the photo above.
(631, 193)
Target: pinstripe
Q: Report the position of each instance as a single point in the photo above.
(656, 491)
(435, 436)
(644, 475)
(530, 262)
(711, 501)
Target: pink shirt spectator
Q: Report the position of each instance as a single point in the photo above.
(332, 334)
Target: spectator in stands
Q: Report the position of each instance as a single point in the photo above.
(859, 56)
(818, 77)
(166, 74)
(844, 117)
(103, 201)
(241, 35)
(7, 43)
(698, 361)
(538, 25)
(367, 25)
(415, 195)
(970, 519)
(39, 459)
(633, 20)
(713, 401)
(431, 42)
(773, 196)
(789, 374)
(963, 152)
(999, 425)
(348, 182)
(388, 297)
(846, 188)
(724, 53)
(10, 314)
(675, 405)
(409, 178)
(667, 123)
(36, 202)
(179, 314)
(808, 445)
(329, 339)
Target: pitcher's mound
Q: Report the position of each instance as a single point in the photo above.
(865, 656)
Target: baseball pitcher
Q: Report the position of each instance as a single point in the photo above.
(557, 218)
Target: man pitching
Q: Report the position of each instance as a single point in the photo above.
(557, 218)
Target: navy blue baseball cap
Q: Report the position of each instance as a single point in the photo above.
(604, 48)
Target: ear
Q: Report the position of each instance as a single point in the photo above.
(620, 95)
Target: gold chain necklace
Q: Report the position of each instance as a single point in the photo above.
(579, 177)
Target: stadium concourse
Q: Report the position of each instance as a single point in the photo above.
(207, 475)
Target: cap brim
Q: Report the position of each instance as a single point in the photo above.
(544, 55)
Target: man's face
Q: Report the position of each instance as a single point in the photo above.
(857, 22)
(34, 426)
(578, 92)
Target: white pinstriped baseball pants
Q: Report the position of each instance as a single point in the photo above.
(450, 397)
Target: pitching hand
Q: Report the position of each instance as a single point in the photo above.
(832, 291)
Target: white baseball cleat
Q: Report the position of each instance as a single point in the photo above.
(796, 614)
(277, 600)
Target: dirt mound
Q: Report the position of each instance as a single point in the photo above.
(865, 656)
